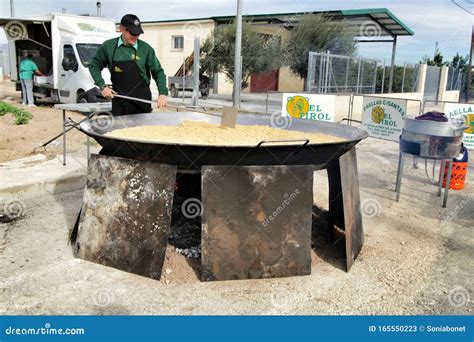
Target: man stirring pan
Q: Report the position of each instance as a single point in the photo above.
(131, 62)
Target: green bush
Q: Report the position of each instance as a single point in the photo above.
(22, 117)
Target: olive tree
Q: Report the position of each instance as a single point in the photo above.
(316, 33)
(260, 53)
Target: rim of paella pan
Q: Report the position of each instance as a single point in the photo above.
(86, 125)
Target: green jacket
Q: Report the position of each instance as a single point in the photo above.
(146, 61)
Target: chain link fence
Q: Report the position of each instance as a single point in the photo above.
(337, 74)
(405, 78)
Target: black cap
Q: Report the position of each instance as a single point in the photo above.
(132, 23)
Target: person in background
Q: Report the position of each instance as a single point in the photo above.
(27, 69)
(132, 63)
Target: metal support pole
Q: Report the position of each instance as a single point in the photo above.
(383, 77)
(440, 179)
(416, 71)
(358, 77)
(328, 90)
(375, 79)
(399, 176)
(448, 183)
(311, 72)
(197, 54)
(392, 64)
(320, 73)
(326, 73)
(238, 57)
(469, 69)
(64, 137)
(12, 9)
(437, 88)
(347, 74)
(403, 77)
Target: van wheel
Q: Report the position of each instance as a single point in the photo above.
(81, 98)
(174, 91)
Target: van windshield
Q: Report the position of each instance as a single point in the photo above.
(87, 52)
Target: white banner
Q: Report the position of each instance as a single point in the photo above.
(309, 106)
(463, 111)
(383, 117)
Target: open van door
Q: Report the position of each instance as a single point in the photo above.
(69, 64)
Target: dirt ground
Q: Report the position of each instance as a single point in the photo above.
(417, 258)
(17, 141)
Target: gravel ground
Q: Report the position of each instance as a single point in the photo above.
(417, 259)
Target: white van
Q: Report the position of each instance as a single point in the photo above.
(62, 46)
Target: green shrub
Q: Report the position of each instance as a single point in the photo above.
(22, 117)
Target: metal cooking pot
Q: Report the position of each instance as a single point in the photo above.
(432, 139)
(452, 128)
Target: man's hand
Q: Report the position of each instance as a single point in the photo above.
(108, 93)
(162, 101)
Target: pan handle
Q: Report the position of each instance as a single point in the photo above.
(306, 141)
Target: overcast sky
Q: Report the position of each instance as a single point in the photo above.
(434, 20)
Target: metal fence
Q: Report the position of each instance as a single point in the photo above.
(337, 74)
(433, 76)
(405, 78)
(455, 79)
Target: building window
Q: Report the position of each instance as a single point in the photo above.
(177, 42)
